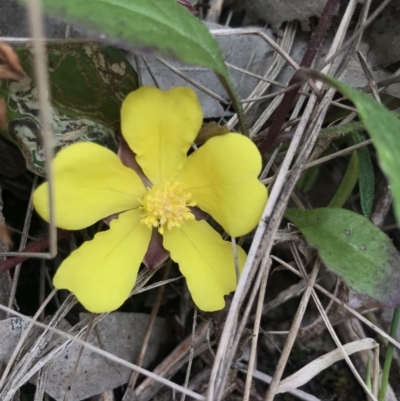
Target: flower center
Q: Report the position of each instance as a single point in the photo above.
(166, 204)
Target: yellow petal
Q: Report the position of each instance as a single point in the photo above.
(222, 178)
(206, 261)
(159, 127)
(102, 272)
(90, 183)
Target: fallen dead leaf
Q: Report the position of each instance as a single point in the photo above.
(3, 113)
(10, 67)
(119, 333)
(309, 371)
(5, 236)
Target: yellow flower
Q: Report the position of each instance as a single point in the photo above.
(91, 183)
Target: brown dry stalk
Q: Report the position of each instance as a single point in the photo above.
(188, 6)
(287, 101)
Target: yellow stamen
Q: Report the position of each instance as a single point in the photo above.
(166, 204)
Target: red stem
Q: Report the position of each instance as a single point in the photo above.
(289, 97)
(36, 246)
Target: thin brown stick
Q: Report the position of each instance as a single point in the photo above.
(340, 153)
(42, 79)
(146, 339)
(287, 101)
(357, 33)
(331, 330)
(32, 250)
(32, 322)
(191, 353)
(78, 358)
(105, 354)
(256, 331)
(273, 388)
(22, 245)
(342, 304)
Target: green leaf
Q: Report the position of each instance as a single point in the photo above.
(308, 179)
(348, 183)
(383, 127)
(389, 355)
(367, 177)
(338, 131)
(353, 248)
(162, 26)
(88, 84)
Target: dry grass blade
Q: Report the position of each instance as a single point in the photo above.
(340, 153)
(157, 302)
(273, 388)
(22, 245)
(261, 247)
(191, 354)
(256, 31)
(301, 395)
(309, 371)
(173, 362)
(342, 304)
(32, 322)
(23, 370)
(263, 239)
(41, 71)
(372, 84)
(332, 332)
(41, 383)
(280, 58)
(256, 331)
(192, 81)
(106, 354)
(78, 358)
(353, 330)
(359, 31)
(215, 10)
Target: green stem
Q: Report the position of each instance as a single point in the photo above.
(368, 375)
(389, 356)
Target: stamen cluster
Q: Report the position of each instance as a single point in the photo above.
(166, 204)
